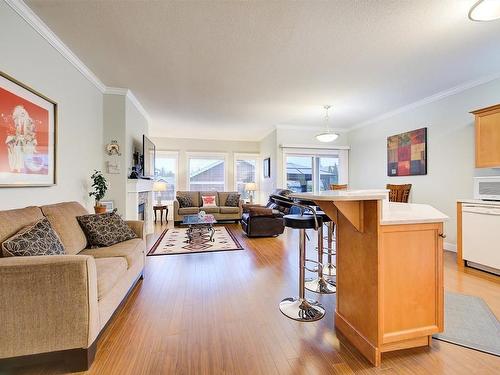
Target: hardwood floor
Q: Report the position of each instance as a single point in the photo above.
(217, 313)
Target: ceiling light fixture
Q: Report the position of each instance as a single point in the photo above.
(485, 10)
(327, 135)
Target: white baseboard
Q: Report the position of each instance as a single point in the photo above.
(450, 246)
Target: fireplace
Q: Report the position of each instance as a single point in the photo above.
(140, 211)
(140, 202)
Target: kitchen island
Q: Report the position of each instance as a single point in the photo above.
(389, 270)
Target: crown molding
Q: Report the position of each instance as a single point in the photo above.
(41, 28)
(130, 95)
(430, 99)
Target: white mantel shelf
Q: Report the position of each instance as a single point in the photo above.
(392, 213)
(139, 185)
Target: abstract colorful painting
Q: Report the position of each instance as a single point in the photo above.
(27, 135)
(407, 153)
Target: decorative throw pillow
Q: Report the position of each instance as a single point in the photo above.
(105, 229)
(208, 200)
(36, 239)
(184, 201)
(233, 200)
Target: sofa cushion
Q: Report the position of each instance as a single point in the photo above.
(185, 201)
(62, 217)
(12, 221)
(210, 210)
(105, 229)
(188, 210)
(130, 250)
(232, 200)
(35, 239)
(223, 197)
(229, 210)
(194, 195)
(209, 200)
(109, 271)
(210, 194)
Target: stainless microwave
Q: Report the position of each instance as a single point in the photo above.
(487, 188)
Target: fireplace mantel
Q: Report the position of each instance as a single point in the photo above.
(134, 189)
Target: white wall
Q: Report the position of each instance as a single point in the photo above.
(30, 59)
(269, 149)
(185, 145)
(114, 129)
(124, 123)
(450, 137)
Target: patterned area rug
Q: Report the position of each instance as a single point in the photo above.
(175, 241)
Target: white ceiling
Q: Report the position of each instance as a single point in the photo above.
(237, 69)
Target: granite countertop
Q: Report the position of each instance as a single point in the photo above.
(344, 195)
(392, 213)
(410, 213)
(479, 201)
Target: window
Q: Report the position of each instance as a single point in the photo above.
(245, 171)
(207, 173)
(166, 170)
(316, 170)
(299, 173)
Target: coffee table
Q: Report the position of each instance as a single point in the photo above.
(199, 227)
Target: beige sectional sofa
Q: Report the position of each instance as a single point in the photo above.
(59, 304)
(221, 212)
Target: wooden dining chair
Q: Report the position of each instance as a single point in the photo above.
(399, 193)
(338, 187)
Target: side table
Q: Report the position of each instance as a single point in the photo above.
(161, 209)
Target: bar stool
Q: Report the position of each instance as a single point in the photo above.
(320, 284)
(329, 268)
(302, 309)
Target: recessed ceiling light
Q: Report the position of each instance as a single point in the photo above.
(485, 10)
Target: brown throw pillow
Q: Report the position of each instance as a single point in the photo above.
(105, 229)
(35, 239)
(184, 201)
(233, 200)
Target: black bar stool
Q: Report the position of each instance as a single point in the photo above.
(320, 284)
(300, 308)
(329, 268)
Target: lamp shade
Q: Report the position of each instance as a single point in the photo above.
(327, 137)
(250, 186)
(159, 186)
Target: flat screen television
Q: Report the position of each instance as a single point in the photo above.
(148, 158)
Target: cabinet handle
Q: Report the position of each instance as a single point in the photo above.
(442, 235)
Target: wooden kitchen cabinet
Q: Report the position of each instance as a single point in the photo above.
(487, 136)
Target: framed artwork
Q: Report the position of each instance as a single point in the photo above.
(407, 153)
(28, 123)
(267, 167)
(110, 205)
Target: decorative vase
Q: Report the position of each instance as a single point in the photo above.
(99, 209)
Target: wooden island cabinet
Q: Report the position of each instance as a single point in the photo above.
(389, 270)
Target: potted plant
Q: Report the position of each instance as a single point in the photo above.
(100, 185)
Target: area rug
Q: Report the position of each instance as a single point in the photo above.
(469, 322)
(175, 241)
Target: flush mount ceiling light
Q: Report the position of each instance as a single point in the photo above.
(485, 10)
(327, 135)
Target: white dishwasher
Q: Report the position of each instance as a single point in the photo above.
(481, 236)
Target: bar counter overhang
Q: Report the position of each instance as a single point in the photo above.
(389, 270)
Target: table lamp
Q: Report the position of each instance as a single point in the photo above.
(251, 187)
(158, 187)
